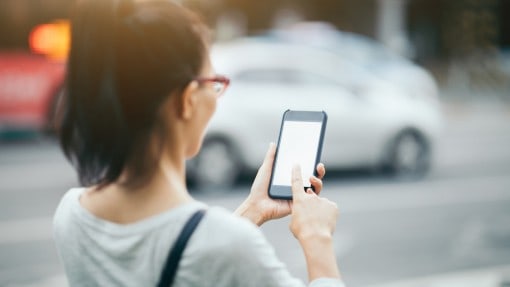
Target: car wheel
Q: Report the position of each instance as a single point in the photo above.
(216, 166)
(409, 155)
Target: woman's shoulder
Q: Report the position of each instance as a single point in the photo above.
(222, 221)
(68, 201)
(64, 218)
(221, 228)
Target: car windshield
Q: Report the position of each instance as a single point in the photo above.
(356, 48)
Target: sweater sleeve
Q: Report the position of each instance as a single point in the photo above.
(257, 264)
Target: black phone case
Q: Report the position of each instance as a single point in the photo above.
(282, 192)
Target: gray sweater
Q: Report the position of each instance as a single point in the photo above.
(225, 250)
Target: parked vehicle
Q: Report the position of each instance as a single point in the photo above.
(30, 82)
(363, 52)
(374, 122)
(29, 85)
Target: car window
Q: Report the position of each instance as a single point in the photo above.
(288, 76)
(310, 78)
(285, 76)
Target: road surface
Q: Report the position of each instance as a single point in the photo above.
(452, 225)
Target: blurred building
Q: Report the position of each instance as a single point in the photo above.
(465, 43)
(19, 17)
(420, 29)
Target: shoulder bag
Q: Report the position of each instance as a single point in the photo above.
(175, 254)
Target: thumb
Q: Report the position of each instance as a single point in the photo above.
(297, 183)
(268, 160)
(265, 169)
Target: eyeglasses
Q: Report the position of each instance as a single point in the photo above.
(219, 83)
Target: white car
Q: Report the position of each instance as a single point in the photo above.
(373, 122)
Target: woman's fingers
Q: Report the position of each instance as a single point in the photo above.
(268, 159)
(297, 183)
(317, 184)
(264, 171)
(316, 181)
(321, 170)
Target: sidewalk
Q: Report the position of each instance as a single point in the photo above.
(492, 277)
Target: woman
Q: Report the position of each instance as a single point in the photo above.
(141, 91)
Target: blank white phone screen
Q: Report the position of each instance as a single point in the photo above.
(298, 145)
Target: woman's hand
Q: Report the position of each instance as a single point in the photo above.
(312, 216)
(259, 207)
(313, 222)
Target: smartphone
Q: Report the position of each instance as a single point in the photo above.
(300, 142)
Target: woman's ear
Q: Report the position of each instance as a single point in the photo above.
(188, 101)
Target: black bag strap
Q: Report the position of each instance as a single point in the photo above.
(175, 254)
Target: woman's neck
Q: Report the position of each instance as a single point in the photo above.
(164, 190)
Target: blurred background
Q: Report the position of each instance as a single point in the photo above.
(417, 144)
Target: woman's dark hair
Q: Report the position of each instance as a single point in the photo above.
(126, 58)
